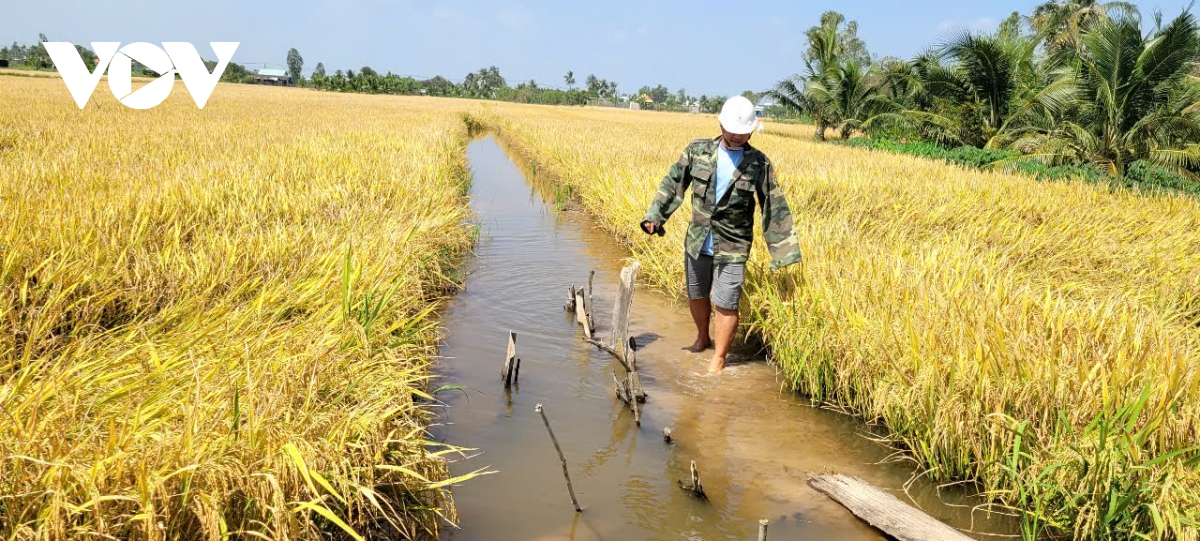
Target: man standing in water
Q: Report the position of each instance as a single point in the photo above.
(726, 175)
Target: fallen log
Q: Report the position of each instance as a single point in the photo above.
(884, 511)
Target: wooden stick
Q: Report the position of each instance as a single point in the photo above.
(590, 306)
(696, 489)
(635, 382)
(632, 353)
(561, 458)
(620, 390)
(633, 401)
(506, 371)
(696, 478)
(582, 315)
(610, 350)
(570, 306)
(517, 370)
(884, 511)
(762, 530)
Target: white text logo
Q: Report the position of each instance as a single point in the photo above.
(179, 57)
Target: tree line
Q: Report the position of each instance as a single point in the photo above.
(35, 57)
(1074, 82)
(485, 83)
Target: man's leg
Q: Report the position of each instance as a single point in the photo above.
(724, 328)
(701, 309)
(726, 295)
(699, 273)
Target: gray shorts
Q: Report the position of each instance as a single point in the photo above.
(726, 289)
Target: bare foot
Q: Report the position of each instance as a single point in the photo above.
(717, 364)
(699, 345)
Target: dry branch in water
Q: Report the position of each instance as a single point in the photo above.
(563, 459)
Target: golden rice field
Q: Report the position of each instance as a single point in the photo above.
(228, 332)
(1040, 337)
(217, 324)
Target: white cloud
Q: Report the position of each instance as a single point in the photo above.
(978, 25)
(515, 17)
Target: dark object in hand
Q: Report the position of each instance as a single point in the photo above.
(650, 229)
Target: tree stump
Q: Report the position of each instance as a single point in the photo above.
(619, 339)
(694, 488)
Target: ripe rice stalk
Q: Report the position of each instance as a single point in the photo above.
(228, 331)
(1037, 337)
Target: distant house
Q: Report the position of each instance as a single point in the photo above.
(276, 77)
(765, 103)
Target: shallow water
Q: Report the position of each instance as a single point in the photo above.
(753, 443)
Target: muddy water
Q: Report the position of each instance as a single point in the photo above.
(752, 442)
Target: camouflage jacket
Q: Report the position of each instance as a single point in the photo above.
(731, 220)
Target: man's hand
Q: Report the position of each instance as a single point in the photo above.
(650, 229)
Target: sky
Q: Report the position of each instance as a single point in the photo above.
(705, 47)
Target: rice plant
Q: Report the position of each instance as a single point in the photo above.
(218, 323)
(1038, 337)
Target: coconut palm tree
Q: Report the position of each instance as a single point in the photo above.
(850, 97)
(981, 89)
(924, 94)
(821, 62)
(989, 70)
(1061, 23)
(1135, 98)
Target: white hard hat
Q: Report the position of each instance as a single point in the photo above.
(738, 116)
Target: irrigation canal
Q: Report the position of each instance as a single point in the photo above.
(753, 443)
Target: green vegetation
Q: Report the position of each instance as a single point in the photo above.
(1077, 82)
(1142, 175)
(35, 58)
(486, 83)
